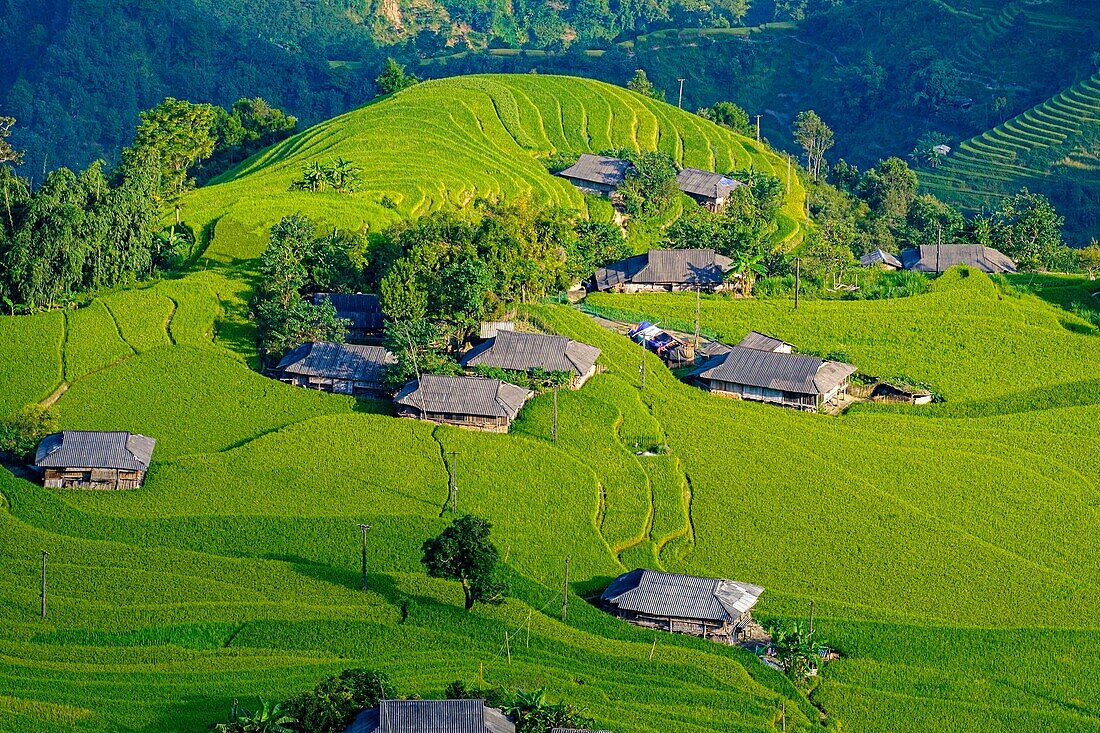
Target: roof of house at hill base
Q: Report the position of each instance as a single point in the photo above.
(90, 449)
(658, 266)
(338, 361)
(798, 373)
(598, 169)
(762, 342)
(363, 309)
(880, 257)
(436, 393)
(431, 716)
(671, 595)
(526, 351)
(940, 257)
(705, 183)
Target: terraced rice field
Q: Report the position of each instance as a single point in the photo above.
(950, 550)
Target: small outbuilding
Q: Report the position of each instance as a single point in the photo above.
(686, 604)
(882, 259)
(524, 352)
(489, 329)
(471, 402)
(339, 368)
(597, 174)
(708, 189)
(363, 311)
(431, 716)
(80, 459)
(939, 258)
(791, 380)
(666, 270)
(764, 342)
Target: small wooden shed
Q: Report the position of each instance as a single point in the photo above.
(881, 259)
(524, 352)
(431, 716)
(80, 459)
(339, 368)
(597, 174)
(471, 402)
(708, 189)
(686, 604)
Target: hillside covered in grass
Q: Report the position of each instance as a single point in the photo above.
(950, 550)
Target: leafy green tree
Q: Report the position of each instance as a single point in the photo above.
(420, 347)
(929, 149)
(935, 85)
(464, 553)
(8, 154)
(889, 189)
(283, 267)
(393, 78)
(333, 703)
(749, 265)
(596, 244)
(1028, 229)
(826, 260)
(283, 327)
(534, 714)
(650, 186)
(795, 649)
(930, 220)
(727, 114)
(402, 296)
(344, 176)
(268, 719)
(466, 286)
(21, 433)
(1089, 259)
(641, 84)
(815, 137)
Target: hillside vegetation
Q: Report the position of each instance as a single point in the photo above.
(950, 550)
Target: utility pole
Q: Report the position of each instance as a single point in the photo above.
(797, 279)
(697, 317)
(758, 127)
(788, 173)
(641, 343)
(555, 428)
(810, 633)
(43, 593)
(363, 529)
(565, 592)
(454, 481)
(783, 713)
(680, 101)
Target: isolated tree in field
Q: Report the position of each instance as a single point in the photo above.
(393, 78)
(795, 649)
(1089, 257)
(641, 84)
(464, 553)
(1028, 229)
(815, 137)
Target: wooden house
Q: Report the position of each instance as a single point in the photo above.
(472, 402)
(764, 342)
(938, 258)
(791, 380)
(78, 459)
(525, 352)
(362, 311)
(597, 174)
(708, 189)
(686, 604)
(881, 259)
(666, 270)
(339, 368)
(431, 716)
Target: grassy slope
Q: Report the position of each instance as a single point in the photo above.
(234, 572)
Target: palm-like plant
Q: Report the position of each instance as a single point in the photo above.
(314, 177)
(268, 719)
(750, 266)
(343, 175)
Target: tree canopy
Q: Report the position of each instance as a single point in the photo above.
(463, 552)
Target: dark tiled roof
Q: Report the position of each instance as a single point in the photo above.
(656, 593)
(762, 342)
(362, 309)
(431, 716)
(796, 373)
(338, 361)
(526, 351)
(598, 169)
(705, 183)
(435, 393)
(87, 449)
(926, 259)
(879, 257)
(662, 266)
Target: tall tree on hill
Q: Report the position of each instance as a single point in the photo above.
(463, 552)
(727, 114)
(8, 154)
(1089, 258)
(641, 84)
(1028, 229)
(815, 137)
(889, 189)
(393, 78)
(178, 134)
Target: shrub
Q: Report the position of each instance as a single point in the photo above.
(21, 433)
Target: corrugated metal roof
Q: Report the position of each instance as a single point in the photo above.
(91, 449)
(705, 183)
(436, 393)
(598, 169)
(879, 257)
(763, 342)
(489, 329)
(941, 257)
(656, 593)
(364, 310)
(667, 266)
(431, 716)
(796, 373)
(526, 351)
(338, 361)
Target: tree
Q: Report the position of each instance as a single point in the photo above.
(641, 84)
(1089, 257)
(596, 244)
(464, 553)
(393, 78)
(268, 719)
(749, 265)
(283, 263)
(401, 295)
(889, 189)
(815, 137)
(533, 714)
(8, 154)
(826, 259)
(931, 220)
(420, 348)
(929, 149)
(344, 176)
(283, 327)
(335, 701)
(1028, 229)
(650, 185)
(795, 649)
(727, 114)
(21, 433)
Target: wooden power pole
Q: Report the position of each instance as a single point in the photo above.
(758, 127)
(555, 426)
(565, 592)
(363, 529)
(797, 279)
(641, 343)
(43, 592)
(680, 100)
(453, 475)
(696, 317)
